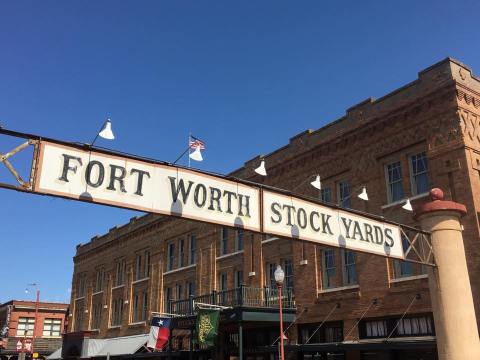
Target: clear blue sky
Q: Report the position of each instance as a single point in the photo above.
(244, 76)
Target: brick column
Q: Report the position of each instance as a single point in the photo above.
(452, 302)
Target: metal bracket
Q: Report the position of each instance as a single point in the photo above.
(419, 246)
(4, 160)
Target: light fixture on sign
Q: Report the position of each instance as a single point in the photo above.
(106, 131)
(317, 183)
(196, 155)
(363, 195)
(407, 206)
(261, 169)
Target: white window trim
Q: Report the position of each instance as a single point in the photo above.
(179, 269)
(137, 323)
(402, 201)
(408, 278)
(228, 255)
(270, 239)
(80, 298)
(322, 291)
(118, 286)
(97, 293)
(114, 327)
(140, 280)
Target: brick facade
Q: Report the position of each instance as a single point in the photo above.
(437, 114)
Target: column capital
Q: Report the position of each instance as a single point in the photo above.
(437, 203)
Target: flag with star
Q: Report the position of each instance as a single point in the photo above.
(159, 333)
(207, 326)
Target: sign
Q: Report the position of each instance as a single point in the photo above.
(28, 345)
(74, 172)
(19, 345)
(292, 217)
(162, 189)
(35, 355)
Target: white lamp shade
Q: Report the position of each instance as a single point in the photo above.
(107, 132)
(317, 183)
(407, 206)
(261, 169)
(196, 155)
(279, 275)
(363, 195)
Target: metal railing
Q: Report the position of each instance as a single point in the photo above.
(247, 297)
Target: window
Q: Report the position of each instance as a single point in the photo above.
(117, 311)
(168, 298)
(419, 173)
(403, 268)
(79, 313)
(181, 253)
(349, 268)
(191, 288)
(142, 265)
(326, 195)
(120, 270)
(223, 281)
(288, 269)
(52, 327)
(146, 270)
(140, 306)
(344, 194)
(224, 241)
(81, 285)
(135, 314)
(193, 249)
(270, 281)
(238, 278)
(99, 280)
(25, 326)
(415, 326)
(376, 328)
(328, 266)
(179, 295)
(239, 240)
(171, 256)
(96, 316)
(138, 267)
(394, 181)
(144, 313)
(327, 333)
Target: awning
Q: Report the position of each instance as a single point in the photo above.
(57, 354)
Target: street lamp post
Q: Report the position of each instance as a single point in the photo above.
(279, 277)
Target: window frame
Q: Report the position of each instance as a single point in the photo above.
(343, 253)
(344, 202)
(413, 181)
(325, 276)
(390, 198)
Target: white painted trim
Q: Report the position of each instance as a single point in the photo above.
(402, 201)
(80, 298)
(228, 255)
(338, 289)
(179, 269)
(270, 239)
(114, 327)
(137, 323)
(118, 286)
(140, 280)
(98, 292)
(408, 278)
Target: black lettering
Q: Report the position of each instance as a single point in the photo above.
(302, 218)
(88, 174)
(357, 231)
(289, 218)
(276, 210)
(242, 205)
(67, 167)
(141, 174)
(114, 177)
(325, 224)
(196, 195)
(378, 235)
(368, 232)
(316, 229)
(180, 189)
(389, 238)
(215, 195)
(347, 226)
(229, 194)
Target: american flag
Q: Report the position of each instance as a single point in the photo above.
(196, 143)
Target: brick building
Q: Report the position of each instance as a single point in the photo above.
(422, 135)
(17, 320)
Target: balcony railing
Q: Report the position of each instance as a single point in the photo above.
(245, 297)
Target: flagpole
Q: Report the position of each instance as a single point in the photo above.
(189, 138)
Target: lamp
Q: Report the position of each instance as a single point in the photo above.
(105, 132)
(363, 195)
(261, 169)
(316, 183)
(279, 275)
(407, 206)
(196, 155)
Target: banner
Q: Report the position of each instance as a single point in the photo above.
(206, 326)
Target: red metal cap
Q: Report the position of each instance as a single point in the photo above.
(438, 204)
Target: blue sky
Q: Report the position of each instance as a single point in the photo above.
(244, 76)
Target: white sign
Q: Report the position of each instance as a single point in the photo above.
(113, 180)
(292, 217)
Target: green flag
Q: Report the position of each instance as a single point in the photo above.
(207, 326)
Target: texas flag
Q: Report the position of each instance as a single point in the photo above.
(159, 333)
